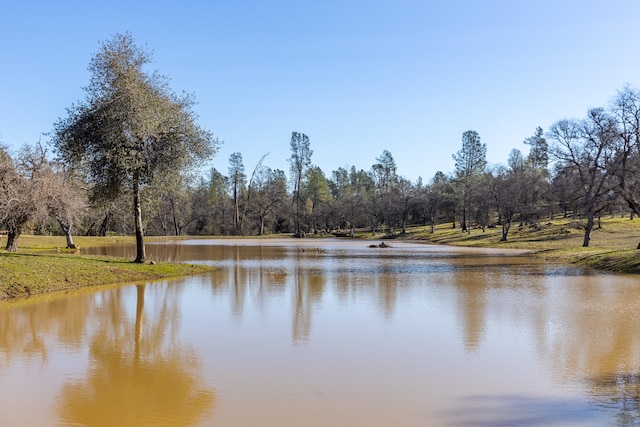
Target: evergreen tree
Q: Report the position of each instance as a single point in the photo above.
(471, 162)
(299, 161)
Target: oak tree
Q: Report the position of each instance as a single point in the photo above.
(131, 128)
(28, 190)
(586, 148)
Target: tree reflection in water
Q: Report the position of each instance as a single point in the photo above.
(157, 382)
(578, 326)
(520, 410)
(618, 392)
(25, 328)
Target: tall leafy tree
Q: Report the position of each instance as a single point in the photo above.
(352, 191)
(217, 200)
(470, 164)
(472, 158)
(436, 197)
(527, 182)
(387, 197)
(539, 151)
(318, 197)
(131, 128)
(385, 171)
(299, 162)
(237, 180)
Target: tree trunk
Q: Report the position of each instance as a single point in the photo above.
(236, 207)
(66, 229)
(587, 230)
(175, 219)
(506, 225)
(297, 201)
(89, 230)
(463, 221)
(137, 211)
(432, 219)
(163, 224)
(13, 233)
(104, 225)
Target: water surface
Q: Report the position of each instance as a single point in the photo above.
(328, 333)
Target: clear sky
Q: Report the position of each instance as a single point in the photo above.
(358, 77)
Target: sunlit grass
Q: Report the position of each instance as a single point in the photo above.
(31, 271)
(612, 247)
(35, 270)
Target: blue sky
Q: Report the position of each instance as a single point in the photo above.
(357, 77)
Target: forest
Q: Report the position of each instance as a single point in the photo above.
(133, 140)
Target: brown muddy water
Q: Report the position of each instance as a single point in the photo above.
(329, 333)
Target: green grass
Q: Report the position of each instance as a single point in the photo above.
(31, 271)
(34, 270)
(612, 247)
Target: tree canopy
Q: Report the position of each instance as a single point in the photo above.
(132, 138)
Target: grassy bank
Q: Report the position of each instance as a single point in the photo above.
(612, 247)
(33, 270)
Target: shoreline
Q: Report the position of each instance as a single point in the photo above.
(612, 247)
(41, 266)
(30, 273)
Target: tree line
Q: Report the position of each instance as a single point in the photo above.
(123, 161)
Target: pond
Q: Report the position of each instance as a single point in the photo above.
(328, 333)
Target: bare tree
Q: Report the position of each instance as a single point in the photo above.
(65, 199)
(407, 194)
(587, 148)
(247, 202)
(16, 204)
(28, 191)
(625, 107)
(270, 190)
